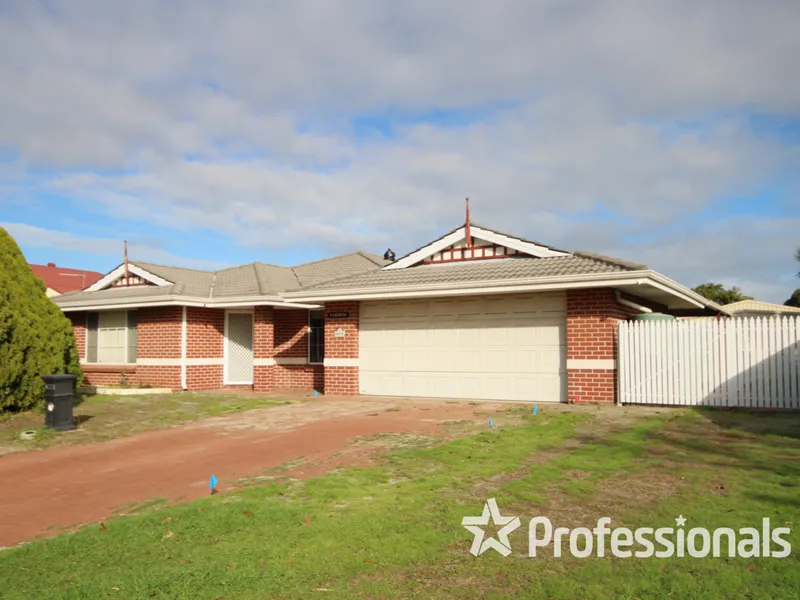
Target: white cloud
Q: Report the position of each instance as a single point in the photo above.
(39, 237)
(234, 116)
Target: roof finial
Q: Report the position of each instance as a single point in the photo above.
(467, 230)
(125, 246)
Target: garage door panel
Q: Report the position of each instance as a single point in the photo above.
(469, 307)
(471, 385)
(442, 308)
(494, 347)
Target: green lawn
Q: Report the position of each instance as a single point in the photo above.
(102, 417)
(394, 531)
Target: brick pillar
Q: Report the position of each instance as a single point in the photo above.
(341, 351)
(263, 348)
(159, 337)
(78, 320)
(592, 317)
(205, 341)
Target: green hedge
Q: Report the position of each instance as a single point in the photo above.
(35, 337)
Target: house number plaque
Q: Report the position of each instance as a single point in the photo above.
(338, 314)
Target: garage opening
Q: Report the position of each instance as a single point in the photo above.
(510, 347)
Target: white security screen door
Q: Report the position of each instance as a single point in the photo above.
(239, 348)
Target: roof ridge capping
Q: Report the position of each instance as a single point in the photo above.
(375, 258)
(367, 255)
(631, 266)
(146, 262)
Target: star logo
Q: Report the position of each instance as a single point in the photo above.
(680, 521)
(501, 544)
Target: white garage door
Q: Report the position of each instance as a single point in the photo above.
(486, 347)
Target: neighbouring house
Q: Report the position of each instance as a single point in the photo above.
(756, 308)
(60, 280)
(474, 314)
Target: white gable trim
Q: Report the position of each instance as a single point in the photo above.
(516, 244)
(427, 251)
(119, 273)
(483, 234)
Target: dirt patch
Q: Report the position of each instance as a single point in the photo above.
(397, 441)
(69, 486)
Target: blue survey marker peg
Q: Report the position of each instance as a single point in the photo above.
(536, 409)
(212, 483)
(491, 423)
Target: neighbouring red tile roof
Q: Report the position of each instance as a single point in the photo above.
(65, 280)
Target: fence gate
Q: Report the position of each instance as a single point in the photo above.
(749, 362)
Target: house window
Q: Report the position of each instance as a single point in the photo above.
(111, 337)
(316, 336)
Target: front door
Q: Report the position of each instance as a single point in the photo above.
(239, 348)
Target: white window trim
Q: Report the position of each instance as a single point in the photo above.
(127, 363)
(225, 380)
(308, 345)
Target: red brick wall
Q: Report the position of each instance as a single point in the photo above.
(591, 385)
(303, 377)
(159, 336)
(159, 376)
(291, 342)
(341, 380)
(204, 377)
(277, 334)
(291, 333)
(159, 332)
(263, 347)
(78, 320)
(105, 376)
(592, 318)
(205, 332)
(205, 338)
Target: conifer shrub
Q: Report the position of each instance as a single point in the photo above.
(35, 337)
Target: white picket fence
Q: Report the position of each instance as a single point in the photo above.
(750, 362)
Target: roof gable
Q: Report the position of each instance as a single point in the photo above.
(149, 282)
(482, 244)
(127, 276)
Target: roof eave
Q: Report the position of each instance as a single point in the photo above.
(225, 302)
(593, 279)
(589, 280)
(690, 295)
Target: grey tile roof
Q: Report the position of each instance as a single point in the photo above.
(346, 272)
(129, 293)
(188, 282)
(335, 268)
(485, 270)
(253, 279)
(237, 281)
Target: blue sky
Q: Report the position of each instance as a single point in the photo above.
(210, 134)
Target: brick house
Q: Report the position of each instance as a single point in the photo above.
(474, 314)
(60, 280)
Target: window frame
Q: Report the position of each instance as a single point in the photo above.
(93, 338)
(311, 332)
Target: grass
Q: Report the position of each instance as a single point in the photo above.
(102, 417)
(394, 531)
